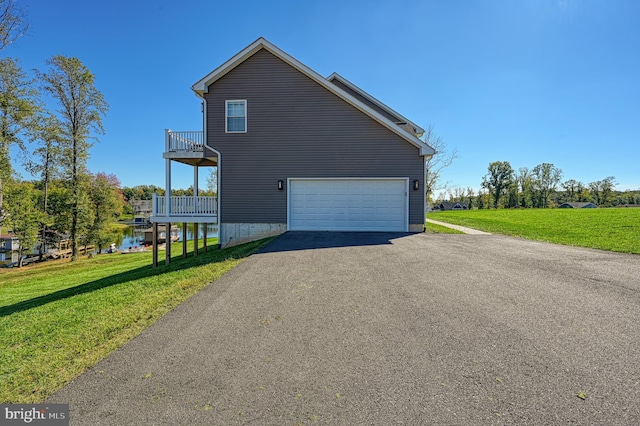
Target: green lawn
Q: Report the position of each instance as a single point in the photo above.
(614, 229)
(58, 319)
(433, 228)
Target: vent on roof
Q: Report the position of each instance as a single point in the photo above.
(408, 127)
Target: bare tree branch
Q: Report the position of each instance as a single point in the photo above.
(13, 23)
(439, 161)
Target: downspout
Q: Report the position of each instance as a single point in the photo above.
(205, 139)
(424, 192)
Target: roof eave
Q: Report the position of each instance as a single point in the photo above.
(335, 76)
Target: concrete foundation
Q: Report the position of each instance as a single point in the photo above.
(416, 227)
(232, 234)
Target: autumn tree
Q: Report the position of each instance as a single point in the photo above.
(497, 180)
(82, 107)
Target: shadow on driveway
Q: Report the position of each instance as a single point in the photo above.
(309, 240)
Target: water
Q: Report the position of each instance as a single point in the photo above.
(133, 236)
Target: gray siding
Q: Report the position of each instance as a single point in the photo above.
(296, 128)
(366, 101)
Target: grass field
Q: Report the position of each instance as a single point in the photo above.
(614, 229)
(433, 228)
(57, 319)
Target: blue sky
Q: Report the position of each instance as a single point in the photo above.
(526, 81)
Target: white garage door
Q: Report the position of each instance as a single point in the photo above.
(348, 205)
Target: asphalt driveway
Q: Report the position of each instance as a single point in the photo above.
(373, 328)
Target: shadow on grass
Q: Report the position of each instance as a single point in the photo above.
(177, 264)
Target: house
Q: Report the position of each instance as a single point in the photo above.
(447, 205)
(577, 206)
(141, 210)
(295, 151)
(9, 245)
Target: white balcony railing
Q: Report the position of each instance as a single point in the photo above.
(191, 141)
(185, 206)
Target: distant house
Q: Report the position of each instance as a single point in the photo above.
(8, 250)
(447, 205)
(142, 210)
(577, 206)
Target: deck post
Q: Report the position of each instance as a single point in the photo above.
(167, 175)
(184, 239)
(195, 238)
(154, 243)
(196, 191)
(204, 236)
(167, 244)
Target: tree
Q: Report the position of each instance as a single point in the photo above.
(573, 189)
(483, 200)
(18, 109)
(470, 197)
(81, 109)
(13, 23)
(525, 183)
(141, 192)
(45, 162)
(212, 181)
(513, 195)
(107, 202)
(547, 176)
(436, 163)
(497, 180)
(602, 191)
(58, 207)
(23, 216)
(456, 194)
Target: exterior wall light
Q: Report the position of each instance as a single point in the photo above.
(280, 185)
(416, 185)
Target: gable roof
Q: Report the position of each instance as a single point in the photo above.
(400, 118)
(202, 87)
(577, 205)
(453, 205)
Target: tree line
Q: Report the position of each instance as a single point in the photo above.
(145, 192)
(539, 187)
(66, 199)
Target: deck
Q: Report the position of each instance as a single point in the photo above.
(189, 209)
(188, 147)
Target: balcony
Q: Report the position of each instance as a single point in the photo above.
(188, 147)
(184, 208)
(191, 141)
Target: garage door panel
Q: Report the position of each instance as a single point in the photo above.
(348, 204)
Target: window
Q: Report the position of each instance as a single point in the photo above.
(236, 112)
